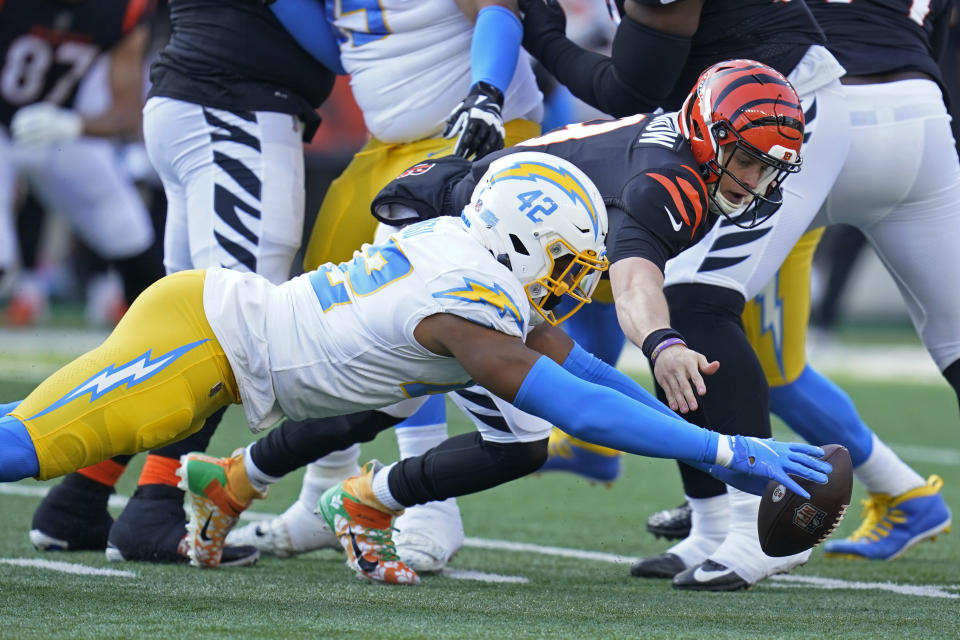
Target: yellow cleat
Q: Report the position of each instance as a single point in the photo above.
(594, 462)
(893, 524)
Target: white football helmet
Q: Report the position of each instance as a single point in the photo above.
(532, 210)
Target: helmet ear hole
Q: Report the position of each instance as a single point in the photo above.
(518, 245)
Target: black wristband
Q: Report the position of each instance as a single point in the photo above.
(488, 90)
(654, 338)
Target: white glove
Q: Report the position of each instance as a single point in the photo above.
(43, 123)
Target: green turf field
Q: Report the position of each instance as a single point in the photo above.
(529, 590)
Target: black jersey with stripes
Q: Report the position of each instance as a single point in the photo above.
(775, 33)
(656, 199)
(235, 55)
(47, 47)
(882, 36)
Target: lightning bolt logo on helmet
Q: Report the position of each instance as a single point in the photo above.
(544, 219)
(558, 176)
(131, 374)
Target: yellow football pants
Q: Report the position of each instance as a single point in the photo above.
(345, 222)
(154, 380)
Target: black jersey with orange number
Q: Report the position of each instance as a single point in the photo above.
(881, 36)
(47, 47)
(235, 54)
(777, 33)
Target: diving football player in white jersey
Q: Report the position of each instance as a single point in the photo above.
(442, 304)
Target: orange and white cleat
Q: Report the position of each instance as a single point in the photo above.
(218, 491)
(364, 527)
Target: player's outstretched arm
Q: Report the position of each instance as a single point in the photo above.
(644, 317)
(554, 342)
(536, 384)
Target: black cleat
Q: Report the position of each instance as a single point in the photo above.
(709, 576)
(665, 565)
(152, 528)
(672, 524)
(72, 516)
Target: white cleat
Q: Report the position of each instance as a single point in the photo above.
(428, 535)
(738, 563)
(297, 530)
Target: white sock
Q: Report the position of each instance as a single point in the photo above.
(884, 472)
(305, 528)
(257, 478)
(710, 518)
(415, 441)
(741, 550)
(326, 472)
(381, 489)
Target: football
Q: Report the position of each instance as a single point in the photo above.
(789, 524)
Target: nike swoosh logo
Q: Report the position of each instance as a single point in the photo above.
(203, 532)
(367, 566)
(705, 575)
(676, 224)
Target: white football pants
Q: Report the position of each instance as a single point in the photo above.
(234, 186)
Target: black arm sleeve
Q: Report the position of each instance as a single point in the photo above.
(637, 78)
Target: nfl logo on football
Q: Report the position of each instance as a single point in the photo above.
(808, 517)
(778, 493)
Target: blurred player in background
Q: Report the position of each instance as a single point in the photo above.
(224, 125)
(903, 148)
(47, 49)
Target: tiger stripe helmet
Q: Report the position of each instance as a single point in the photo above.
(744, 105)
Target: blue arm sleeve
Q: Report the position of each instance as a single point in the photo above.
(587, 366)
(306, 21)
(495, 47)
(18, 456)
(600, 415)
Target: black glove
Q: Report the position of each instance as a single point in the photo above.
(478, 122)
(543, 21)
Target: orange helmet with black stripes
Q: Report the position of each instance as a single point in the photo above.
(747, 107)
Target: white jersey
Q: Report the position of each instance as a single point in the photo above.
(409, 66)
(340, 339)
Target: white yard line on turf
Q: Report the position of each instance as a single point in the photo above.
(67, 567)
(929, 591)
(482, 576)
